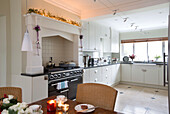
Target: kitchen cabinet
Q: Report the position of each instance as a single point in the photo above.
(40, 88)
(138, 74)
(126, 72)
(95, 75)
(107, 75)
(92, 36)
(151, 74)
(85, 33)
(86, 76)
(107, 43)
(93, 33)
(142, 73)
(114, 41)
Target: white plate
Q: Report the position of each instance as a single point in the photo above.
(78, 108)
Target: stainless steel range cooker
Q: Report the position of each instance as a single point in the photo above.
(64, 82)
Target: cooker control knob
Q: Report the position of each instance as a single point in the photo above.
(59, 75)
(64, 74)
(51, 76)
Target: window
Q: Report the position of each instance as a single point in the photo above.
(155, 49)
(140, 51)
(127, 49)
(145, 49)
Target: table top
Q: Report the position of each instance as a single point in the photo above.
(71, 110)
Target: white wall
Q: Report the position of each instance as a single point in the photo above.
(3, 51)
(5, 11)
(149, 34)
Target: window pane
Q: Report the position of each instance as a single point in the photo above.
(155, 49)
(141, 51)
(166, 47)
(127, 49)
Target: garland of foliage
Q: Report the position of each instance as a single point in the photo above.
(50, 15)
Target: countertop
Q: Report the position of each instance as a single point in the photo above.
(142, 63)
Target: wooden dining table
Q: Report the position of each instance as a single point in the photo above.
(71, 110)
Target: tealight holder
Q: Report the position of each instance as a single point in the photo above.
(65, 108)
(51, 105)
(59, 105)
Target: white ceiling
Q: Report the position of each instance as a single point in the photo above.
(88, 8)
(147, 14)
(154, 17)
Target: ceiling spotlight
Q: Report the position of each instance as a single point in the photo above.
(125, 19)
(136, 27)
(95, 0)
(132, 24)
(114, 12)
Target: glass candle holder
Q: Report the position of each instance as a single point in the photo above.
(60, 104)
(65, 107)
(51, 105)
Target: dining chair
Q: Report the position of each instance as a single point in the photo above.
(15, 91)
(97, 94)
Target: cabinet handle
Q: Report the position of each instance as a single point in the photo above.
(95, 71)
(64, 91)
(74, 80)
(53, 84)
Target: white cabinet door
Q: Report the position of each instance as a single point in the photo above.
(40, 88)
(117, 73)
(92, 36)
(161, 75)
(151, 74)
(98, 37)
(106, 75)
(84, 32)
(107, 43)
(86, 76)
(95, 74)
(114, 41)
(137, 74)
(126, 72)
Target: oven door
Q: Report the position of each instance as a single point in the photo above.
(73, 82)
(53, 91)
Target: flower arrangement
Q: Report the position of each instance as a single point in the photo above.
(50, 15)
(9, 105)
(19, 108)
(7, 101)
(37, 29)
(132, 56)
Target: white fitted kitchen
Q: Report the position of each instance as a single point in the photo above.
(50, 48)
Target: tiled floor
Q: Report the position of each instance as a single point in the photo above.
(141, 100)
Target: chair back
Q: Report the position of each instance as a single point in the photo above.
(97, 95)
(15, 91)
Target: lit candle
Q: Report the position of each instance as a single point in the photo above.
(65, 107)
(60, 104)
(51, 105)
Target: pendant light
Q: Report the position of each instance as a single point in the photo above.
(27, 43)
